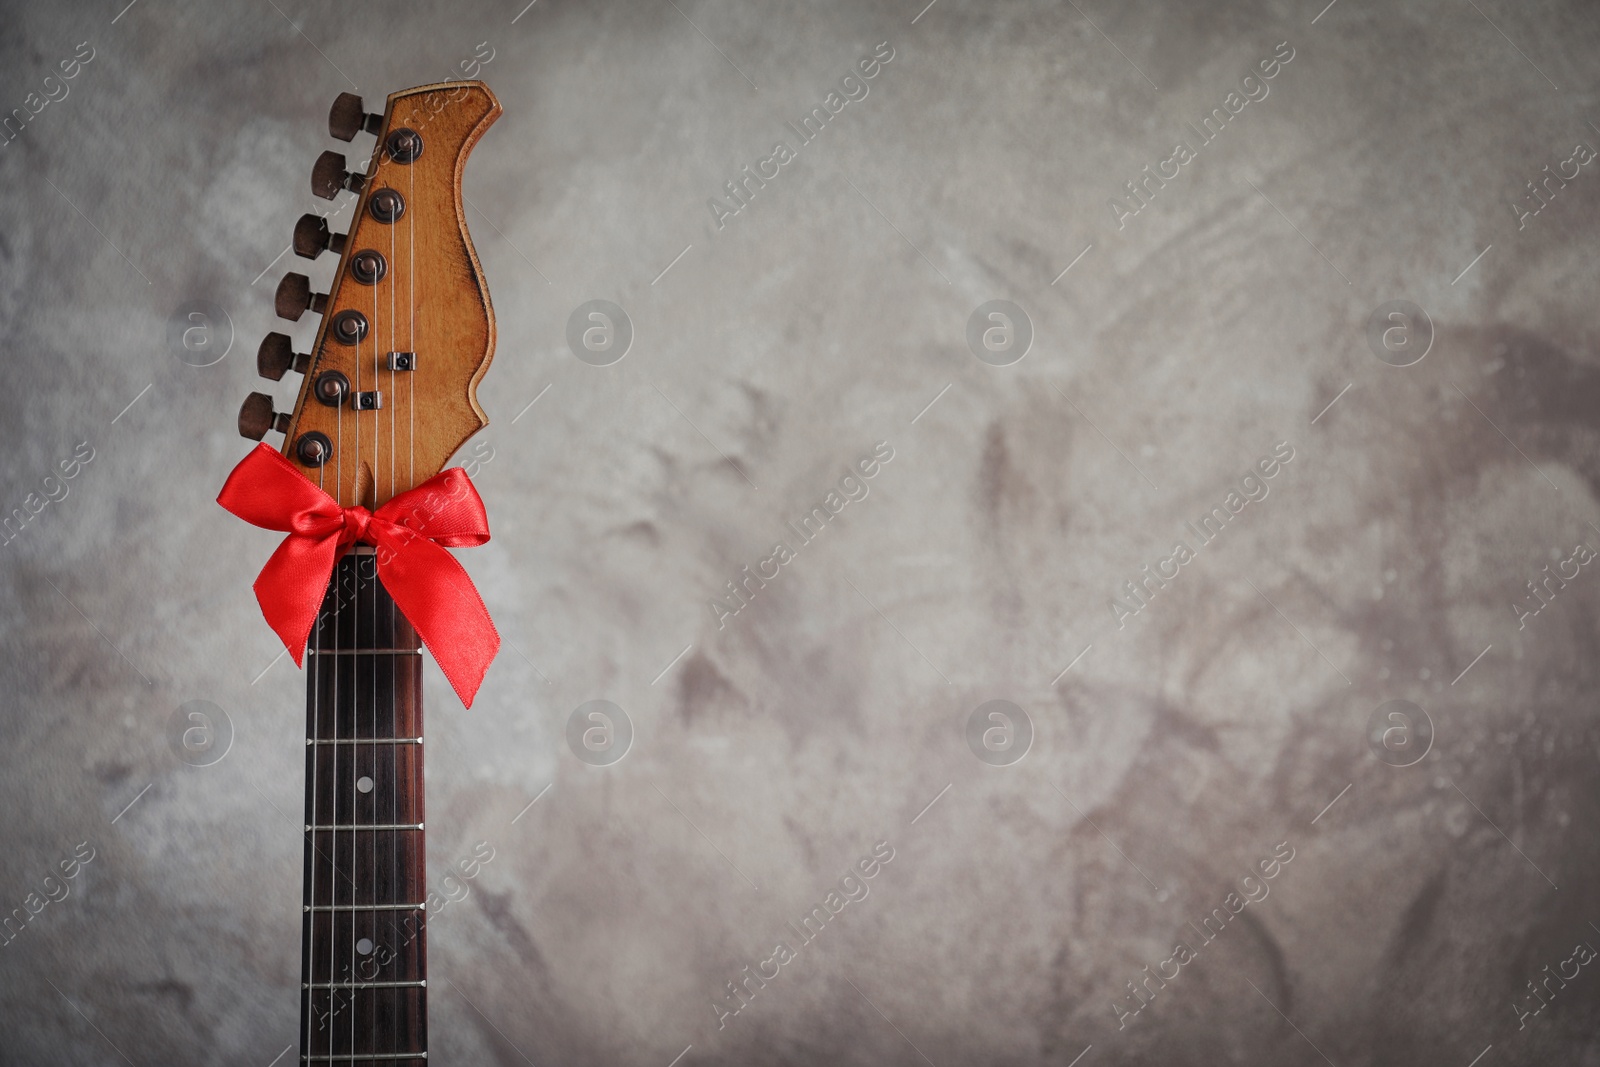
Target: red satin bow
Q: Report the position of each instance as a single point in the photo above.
(430, 588)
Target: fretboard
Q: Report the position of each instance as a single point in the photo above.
(364, 949)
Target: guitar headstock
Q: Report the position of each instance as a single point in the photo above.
(390, 388)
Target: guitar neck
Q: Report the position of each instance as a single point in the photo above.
(363, 945)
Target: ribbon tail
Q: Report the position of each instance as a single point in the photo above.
(291, 586)
(437, 597)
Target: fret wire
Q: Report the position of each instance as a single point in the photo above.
(364, 826)
(364, 741)
(364, 651)
(420, 983)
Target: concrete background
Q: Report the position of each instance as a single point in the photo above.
(1179, 750)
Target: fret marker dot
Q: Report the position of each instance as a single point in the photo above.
(364, 946)
(364, 784)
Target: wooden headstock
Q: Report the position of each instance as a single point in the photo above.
(390, 389)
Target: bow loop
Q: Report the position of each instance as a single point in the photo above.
(357, 520)
(429, 587)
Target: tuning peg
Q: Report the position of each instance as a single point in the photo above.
(311, 236)
(277, 356)
(294, 296)
(256, 417)
(348, 117)
(328, 176)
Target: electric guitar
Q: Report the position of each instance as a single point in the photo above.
(388, 395)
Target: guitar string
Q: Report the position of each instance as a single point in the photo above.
(411, 343)
(394, 703)
(394, 726)
(333, 787)
(372, 836)
(372, 680)
(311, 859)
(418, 860)
(357, 498)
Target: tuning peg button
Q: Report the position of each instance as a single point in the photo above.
(311, 236)
(276, 357)
(348, 117)
(294, 296)
(256, 417)
(328, 176)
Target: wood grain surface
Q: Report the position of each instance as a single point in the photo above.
(432, 301)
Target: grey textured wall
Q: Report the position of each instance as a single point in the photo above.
(1172, 750)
